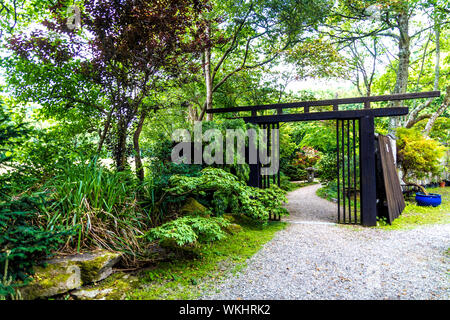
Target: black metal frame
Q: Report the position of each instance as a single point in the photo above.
(365, 119)
(348, 177)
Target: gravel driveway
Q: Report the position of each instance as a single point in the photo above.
(315, 259)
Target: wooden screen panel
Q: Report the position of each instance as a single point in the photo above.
(393, 190)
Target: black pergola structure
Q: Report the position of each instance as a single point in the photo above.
(354, 129)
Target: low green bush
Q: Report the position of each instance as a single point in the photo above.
(295, 173)
(329, 192)
(189, 230)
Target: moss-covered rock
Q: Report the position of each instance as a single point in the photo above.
(53, 279)
(233, 228)
(91, 294)
(230, 218)
(116, 287)
(63, 274)
(97, 266)
(192, 207)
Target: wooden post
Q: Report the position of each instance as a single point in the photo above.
(367, 168)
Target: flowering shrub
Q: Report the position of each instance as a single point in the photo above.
(306, 158)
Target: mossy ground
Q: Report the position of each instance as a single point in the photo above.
(187, 278)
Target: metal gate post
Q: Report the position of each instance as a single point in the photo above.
(255, 168)
(367, 168)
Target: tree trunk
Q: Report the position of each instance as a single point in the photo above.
(412, 117)
(438, 113)
(208, 82)
(120, 152)
(404, 55)
(193, 114)
(105, 132)
(137, 150)
(208, 77)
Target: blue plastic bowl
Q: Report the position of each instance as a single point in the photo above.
(431, 200)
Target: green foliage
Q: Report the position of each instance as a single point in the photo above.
(320, 136)
(50, 151)
(440, 131)
(327, 168)
(101, 203)
(321, 54)
(417, 155)
(295, 173)
(9, 134)
(185, 278)
(304, 158)
(224, 192)
(240, 170)
(188, 230)
(23, 244)
(329, 192)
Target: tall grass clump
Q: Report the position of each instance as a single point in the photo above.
(101, 204)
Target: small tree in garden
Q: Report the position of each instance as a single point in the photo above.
(307, 157)
(417, 156)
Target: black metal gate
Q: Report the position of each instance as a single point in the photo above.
(264, 180)
(348, 171)
(355, 134)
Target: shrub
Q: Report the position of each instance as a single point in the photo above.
(417, 155)
(295, 173)
(11, 135)
(22, 244)
(224, 192)
(327, 168)
(188, 230)
(307, 157)
(329, 192)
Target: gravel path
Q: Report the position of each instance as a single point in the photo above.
(314, 260)
(305, 205)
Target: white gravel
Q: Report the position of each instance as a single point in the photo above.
(304, 205)
(315, 259)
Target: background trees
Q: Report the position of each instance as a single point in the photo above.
(248, 35)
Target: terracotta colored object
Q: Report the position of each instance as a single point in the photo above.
(442, 184)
